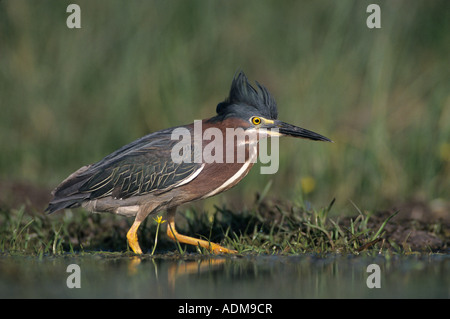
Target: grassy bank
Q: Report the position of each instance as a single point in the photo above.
(270, 227)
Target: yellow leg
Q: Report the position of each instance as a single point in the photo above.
(132, 238)
(174, 235)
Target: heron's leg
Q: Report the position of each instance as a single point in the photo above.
(174, 235)
(132, 238)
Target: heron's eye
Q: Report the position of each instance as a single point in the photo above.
(256, 120)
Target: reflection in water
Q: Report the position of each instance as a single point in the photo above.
(183, 268)
(132, 266)
(107, 275)
(178, 268)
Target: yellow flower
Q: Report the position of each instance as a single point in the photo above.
(308, 184)
(159, 220)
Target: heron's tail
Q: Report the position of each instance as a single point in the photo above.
(67, 194)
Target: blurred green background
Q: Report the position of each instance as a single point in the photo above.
(71, 96)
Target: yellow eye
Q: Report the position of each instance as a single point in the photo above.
(256, 120)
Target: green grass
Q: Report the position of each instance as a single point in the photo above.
(268, 228)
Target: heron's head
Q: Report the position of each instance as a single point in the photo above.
(257, 110)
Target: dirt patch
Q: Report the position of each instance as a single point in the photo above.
(418, 226)
(414, 234)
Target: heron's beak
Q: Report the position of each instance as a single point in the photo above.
(285, 129)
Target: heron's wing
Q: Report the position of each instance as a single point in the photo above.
(141, 167)
(138, 173)
(145, 166)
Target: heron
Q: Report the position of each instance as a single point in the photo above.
(143, 178)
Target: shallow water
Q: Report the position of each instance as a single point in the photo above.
(192, 276)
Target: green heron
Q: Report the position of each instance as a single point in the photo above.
(142, 178)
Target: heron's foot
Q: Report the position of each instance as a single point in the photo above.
(212, 247)
(175, 236)
(132, 238)
(217, 249)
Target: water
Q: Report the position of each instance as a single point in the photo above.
(305, 276)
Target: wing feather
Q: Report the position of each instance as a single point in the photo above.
(141, 167)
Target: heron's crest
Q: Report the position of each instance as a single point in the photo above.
(242, 93)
